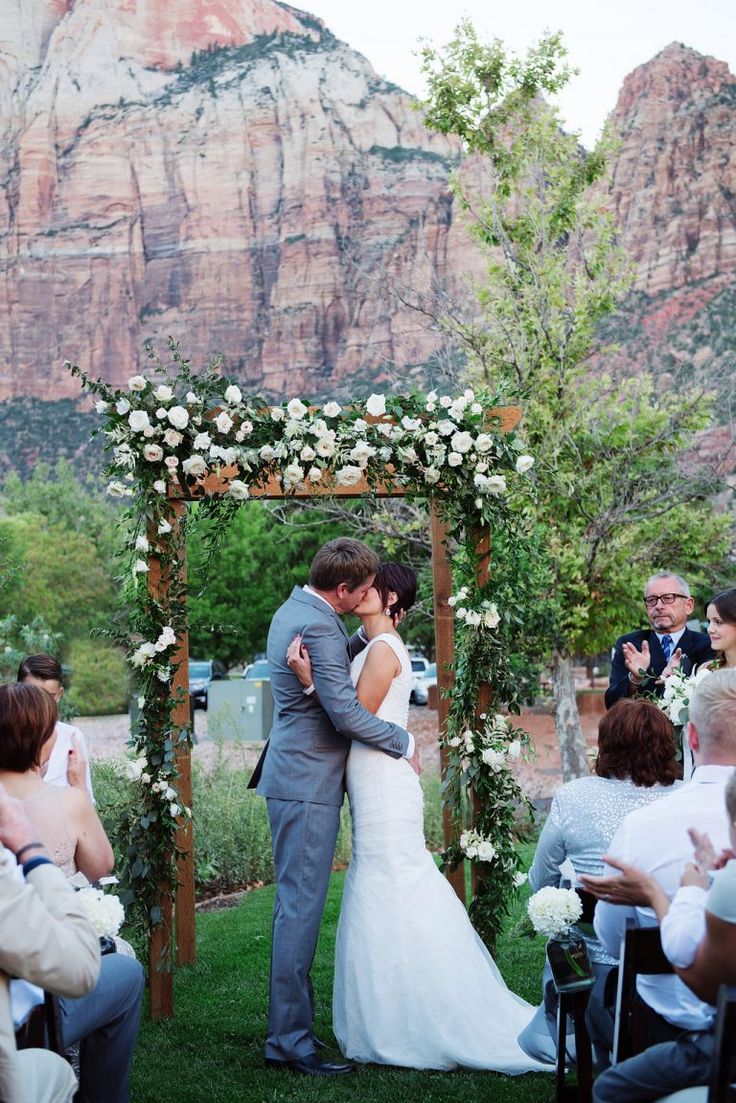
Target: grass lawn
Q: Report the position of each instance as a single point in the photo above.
(213, 1049)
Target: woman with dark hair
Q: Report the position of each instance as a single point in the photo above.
(721, 615)
(636, 764)
(64, 818)
(65, 757)
(400, 996)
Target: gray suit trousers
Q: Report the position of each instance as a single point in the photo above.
(303, 837)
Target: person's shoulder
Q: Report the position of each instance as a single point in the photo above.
(636, 636)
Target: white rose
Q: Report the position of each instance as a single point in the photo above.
(202, 441)
(447, 428)
(472, 618)
(431, 439)
(167, 638)
(191, 398)
(454, 459)
(164, 393)
(178, 417)
(267, 453)
(462, 442)
(293, 474)
(140, 567)
(238, 489)
(411, 424)
(172, 462)
(224, 422)
(296, 409)
(486, 851)
(117, 490)
(331, 409)
(314, 474)
(161, 413)
(153, 452)
(163, 528)
(491, 617)
(457, 409)
(141, 657)
(445, 402)
(325, 446)
(362, 452)
(307, 453)
(496, 484)
(523, 463)
(431, 475)
(173, 438)
(376, 405)
(514, 750)
(159, 486)
(277, 414)
(149, 431)
(431, 397)
(101, 406)
(141, 544)
(137, 383)
(122, 406)
(194, 465)
(495, 759)
(483, 443)
(138, 421)
(348, 476)
(476, 408)
(233, 395)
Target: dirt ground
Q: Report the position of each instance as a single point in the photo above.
(107, 735)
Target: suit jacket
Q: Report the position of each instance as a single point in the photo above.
(47, 940)
(695, 647)
(305, 756)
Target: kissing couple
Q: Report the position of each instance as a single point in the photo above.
(414, 984)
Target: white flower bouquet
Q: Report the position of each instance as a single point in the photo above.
(553, 911)
(474, 845)
(103, 910)
(678, 689)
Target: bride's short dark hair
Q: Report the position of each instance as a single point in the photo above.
(402, 581)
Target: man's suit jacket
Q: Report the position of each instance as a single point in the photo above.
(695, 647)
(46, 939)
(305, 756)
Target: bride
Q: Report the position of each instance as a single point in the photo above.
(414, 984)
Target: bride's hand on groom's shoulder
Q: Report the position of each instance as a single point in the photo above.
(297, 658)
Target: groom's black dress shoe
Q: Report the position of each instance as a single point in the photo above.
(311, 1065)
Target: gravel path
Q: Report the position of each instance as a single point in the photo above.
(107, 737)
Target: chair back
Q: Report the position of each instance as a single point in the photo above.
(42, 1028)
(589, 901)
(641, 954)
(722, 1086)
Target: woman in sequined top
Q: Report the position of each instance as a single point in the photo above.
(636, 764)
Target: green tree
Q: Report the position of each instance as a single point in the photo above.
(615, 498)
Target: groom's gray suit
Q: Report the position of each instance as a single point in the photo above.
(302, 772)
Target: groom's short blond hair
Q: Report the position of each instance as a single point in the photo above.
(342, 560)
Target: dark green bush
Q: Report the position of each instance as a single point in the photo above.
(98, 679)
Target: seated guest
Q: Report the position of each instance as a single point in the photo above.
(65, 756)
(65, 820)
(655, 840)
(641, 658)
(47, 940)
(635, 765)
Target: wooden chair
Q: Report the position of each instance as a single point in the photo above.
(721, 1086)
(641, 954)
(572, 1005)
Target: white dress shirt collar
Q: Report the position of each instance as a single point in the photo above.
(308, 590)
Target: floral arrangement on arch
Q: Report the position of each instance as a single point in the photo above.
(168, 431)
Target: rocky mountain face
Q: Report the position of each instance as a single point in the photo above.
(674, 194)
(227, 172)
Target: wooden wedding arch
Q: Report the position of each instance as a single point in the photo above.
(177, 928)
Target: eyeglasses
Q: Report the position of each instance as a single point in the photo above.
(666, 599)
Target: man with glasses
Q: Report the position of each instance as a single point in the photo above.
(640, 657)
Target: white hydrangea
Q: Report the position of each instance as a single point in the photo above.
(554, 910)
(103, 910)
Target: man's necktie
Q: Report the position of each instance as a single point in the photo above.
(667, 647)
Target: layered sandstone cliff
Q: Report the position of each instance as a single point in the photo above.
(225, 172)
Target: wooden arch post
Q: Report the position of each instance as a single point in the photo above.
(177, 902)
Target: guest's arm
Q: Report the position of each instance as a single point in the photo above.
(550, 852)
(93, 854)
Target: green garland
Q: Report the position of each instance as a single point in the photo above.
(167, 432)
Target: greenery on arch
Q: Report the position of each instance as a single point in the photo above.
(171, 429)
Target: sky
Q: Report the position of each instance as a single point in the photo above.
(605, 41)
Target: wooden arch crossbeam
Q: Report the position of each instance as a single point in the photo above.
(177, 902)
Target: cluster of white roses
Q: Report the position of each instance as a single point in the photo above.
(553, 911)
(138, 769)
(443, 443)
(103, 910)
(486, 616)
(678, 689)
(474, 845)
(153, 653)
(489, 746)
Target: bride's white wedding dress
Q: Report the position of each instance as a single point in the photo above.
(414, 984)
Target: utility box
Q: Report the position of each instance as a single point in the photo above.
(240, 710)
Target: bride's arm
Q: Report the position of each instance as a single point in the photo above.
(380, 668)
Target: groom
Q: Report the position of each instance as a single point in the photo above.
(301, 773)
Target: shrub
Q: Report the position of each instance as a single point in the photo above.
(98, 680)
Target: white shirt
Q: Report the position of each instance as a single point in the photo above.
(308, 590)
(655, 839)
(55, 773)
(683, 928)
